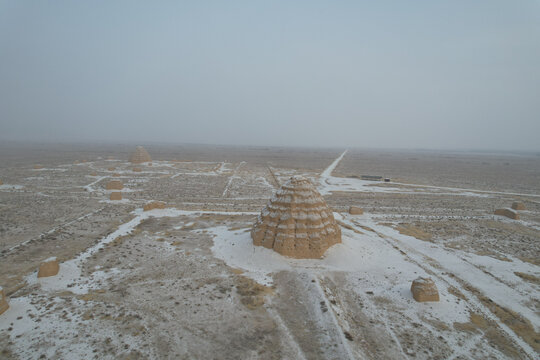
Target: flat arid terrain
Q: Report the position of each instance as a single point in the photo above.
(186, 282)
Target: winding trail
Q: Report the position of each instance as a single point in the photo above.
(328, 171)
(329, 183)
(90, 187)
(294, 347)
(232, 178)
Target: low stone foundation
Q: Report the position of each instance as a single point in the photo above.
(424, 289)
(509, 213)
(49, 267)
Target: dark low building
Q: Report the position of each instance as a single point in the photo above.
(371, 177)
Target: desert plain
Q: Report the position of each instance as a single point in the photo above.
(186, 281)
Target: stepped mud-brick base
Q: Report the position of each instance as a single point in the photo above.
(297, 222)
(140, 156)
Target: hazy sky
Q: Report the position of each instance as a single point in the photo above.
(413, 74)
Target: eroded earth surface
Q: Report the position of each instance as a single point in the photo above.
(186, 282)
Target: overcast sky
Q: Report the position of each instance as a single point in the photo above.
(399, 74)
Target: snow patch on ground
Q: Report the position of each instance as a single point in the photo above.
(232, 178)
(8, 187)
(222, 169)
(70, 274)
(33, 324)
(50, 169)
(494, 278)
(237, 250)
(359, 255)
(107, 201)
(265, 182)
(90, 187)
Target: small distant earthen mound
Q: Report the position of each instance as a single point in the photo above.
(154, 205)
(509, 213)
(49, 267)
(3, 301)
(355, 210)
(140, 156)
(114, 185)
(112, 168)
(116, 195)
(424, 289)
(1, 182)
(137, 169)
(37, 167)
(518, 205)
(297, 222)
(116, 175)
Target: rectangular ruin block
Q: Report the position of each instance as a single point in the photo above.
(154, 205)
(116, 195)
(3, 301)
(517, 205)
(114, 185)
(371, 177)
(355, 210)
(49, 267)
(424, 289)
(509, 213)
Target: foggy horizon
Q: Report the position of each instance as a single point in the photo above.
(386, 75)
(14, 143)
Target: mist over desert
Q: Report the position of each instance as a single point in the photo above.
(269, 180)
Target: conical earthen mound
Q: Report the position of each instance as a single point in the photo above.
(297, 222)
(140, 156)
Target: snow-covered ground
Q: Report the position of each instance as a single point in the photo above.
(385, 262)
(364, 280)
(9, 187)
